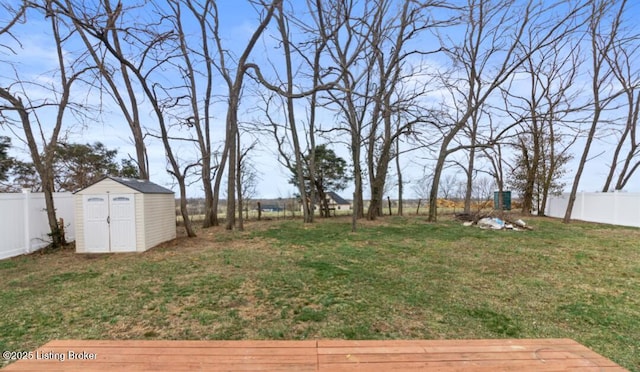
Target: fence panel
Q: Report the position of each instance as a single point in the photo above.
(615, 208)
(24, 225)
(628, 206)
(557, 205)
(599, 207)
(12, 225)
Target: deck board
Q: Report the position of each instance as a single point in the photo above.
(321, 355)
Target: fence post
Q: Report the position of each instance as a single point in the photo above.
(27, 208)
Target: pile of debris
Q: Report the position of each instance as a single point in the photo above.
(492, 223)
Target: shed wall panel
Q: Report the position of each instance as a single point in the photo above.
(160, 219)
(140, 222)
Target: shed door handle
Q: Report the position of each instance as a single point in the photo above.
(108, 219)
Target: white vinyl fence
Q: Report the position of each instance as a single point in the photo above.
(615, 208)
(23, 221)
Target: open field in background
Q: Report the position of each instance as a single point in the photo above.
(276, 216)
(410, 208)
(397, 278)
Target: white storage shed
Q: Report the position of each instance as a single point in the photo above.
(123, 215)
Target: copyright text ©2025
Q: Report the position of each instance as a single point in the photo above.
(49, 355)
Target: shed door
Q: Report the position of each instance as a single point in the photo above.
(122, 226)
(109, 223)
(96, 227)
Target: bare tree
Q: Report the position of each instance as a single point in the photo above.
(472, 130)
(17, 101)
(399, 173)
(290, 143)
(496, 160)
(197, 61)
(542, 106)
(483, 188)
(371, 53)
(234, 81)
(447, 186)
(291, 119)
(126, 100)
(422, 187)
(156, 47)
(489, 54)
(201, 59)
(344, 49)
(625, 51)
(393, 34)
(604, 25)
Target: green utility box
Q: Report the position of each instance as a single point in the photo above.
(506, 200)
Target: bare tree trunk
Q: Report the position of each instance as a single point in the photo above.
(433, 194)
(357, 175)
(472, 157)
(630, 170)
(536, 134)
(312, 127)
(532, 171)
(239, 186)
(353, 214)
(469, 171)
(232, 140)
(216, 186)
(614, 160)
(399, 171)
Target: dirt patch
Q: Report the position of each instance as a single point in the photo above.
(251, 308)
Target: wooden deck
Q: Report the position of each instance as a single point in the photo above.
(320, 355)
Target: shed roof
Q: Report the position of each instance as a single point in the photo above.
(143, 186)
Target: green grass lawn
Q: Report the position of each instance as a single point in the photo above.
(397, 278)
